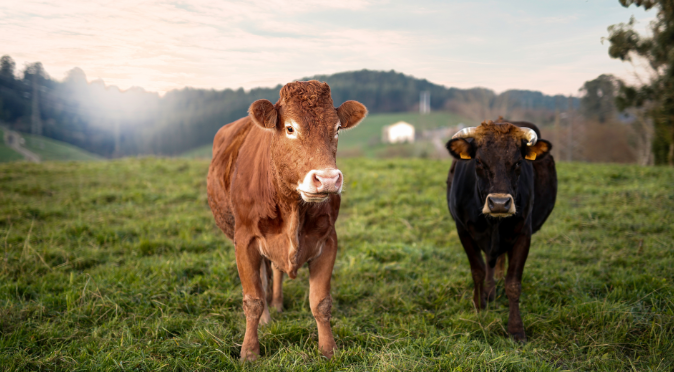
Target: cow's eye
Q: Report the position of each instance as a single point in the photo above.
(290, 130)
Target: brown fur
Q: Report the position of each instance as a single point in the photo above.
(349, 110)
(496, 131)
(306, 96)
(461, 147)
(539, 148)
(263, 113)
(232, 153)
(252, 191)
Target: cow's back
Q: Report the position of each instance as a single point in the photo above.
(226, 147)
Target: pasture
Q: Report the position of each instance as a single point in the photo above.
(6, 152)
(49, 149)
(46, 148)
(119, 266)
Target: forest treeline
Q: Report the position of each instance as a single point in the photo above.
(107, 121)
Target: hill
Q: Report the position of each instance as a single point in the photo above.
(201, 152)
(119, 265)
(103, 120)
(45, 148)
(6, 152)
(391, 91)
(365, 139)
(49, 150)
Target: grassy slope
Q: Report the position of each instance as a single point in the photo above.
(202, 152)
(365, 139)
(118, 265)
(367, 136)
(6, 152)
(49, 149)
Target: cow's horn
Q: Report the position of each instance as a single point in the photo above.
(530, 135)
(465, 133)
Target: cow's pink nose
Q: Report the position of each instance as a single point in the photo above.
(327, 180)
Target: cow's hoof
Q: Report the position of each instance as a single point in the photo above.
(329, 353)
(328, 350)
(519, 337)
(250, 351)
(278, 306)
(249, 355)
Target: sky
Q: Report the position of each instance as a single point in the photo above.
(552, 46)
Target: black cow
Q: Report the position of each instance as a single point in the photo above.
(500, 190)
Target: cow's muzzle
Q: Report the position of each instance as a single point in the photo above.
(499, 205)
(318, 184)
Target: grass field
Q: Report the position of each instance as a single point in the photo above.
(119, 266)
(201, 152)
(365, 139)
(6, 152)
(46, 148)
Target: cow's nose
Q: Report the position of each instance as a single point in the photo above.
(498, 204)
(327, 180)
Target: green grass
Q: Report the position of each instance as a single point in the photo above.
(48, 149)
(365, 139)
(202, 152)
(6, 152)
(119, 266)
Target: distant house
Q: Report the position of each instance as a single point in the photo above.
(398, 133)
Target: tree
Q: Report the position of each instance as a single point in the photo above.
(656, 95)
(35, 73)
(598, 101)
(35, 69)
(76, 77)
(7, 67)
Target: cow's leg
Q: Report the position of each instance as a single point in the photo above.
(248, 262)
(277, 299)
(490, 284)
(500, 267)
(513, 285)
(494, 274)
(477, 268)
(264, 280)
(320, 273)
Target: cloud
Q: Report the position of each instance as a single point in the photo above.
(164, 45)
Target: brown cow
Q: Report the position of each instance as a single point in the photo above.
(274, 189)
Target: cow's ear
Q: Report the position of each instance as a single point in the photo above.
(461, 149)
(351, 113)
(263, 114)
(538, 151)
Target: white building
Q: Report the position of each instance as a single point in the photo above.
(398, 133)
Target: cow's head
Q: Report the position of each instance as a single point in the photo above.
(306, 127)
(499, 151)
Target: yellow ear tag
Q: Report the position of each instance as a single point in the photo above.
(531, 156)
(464, 156)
